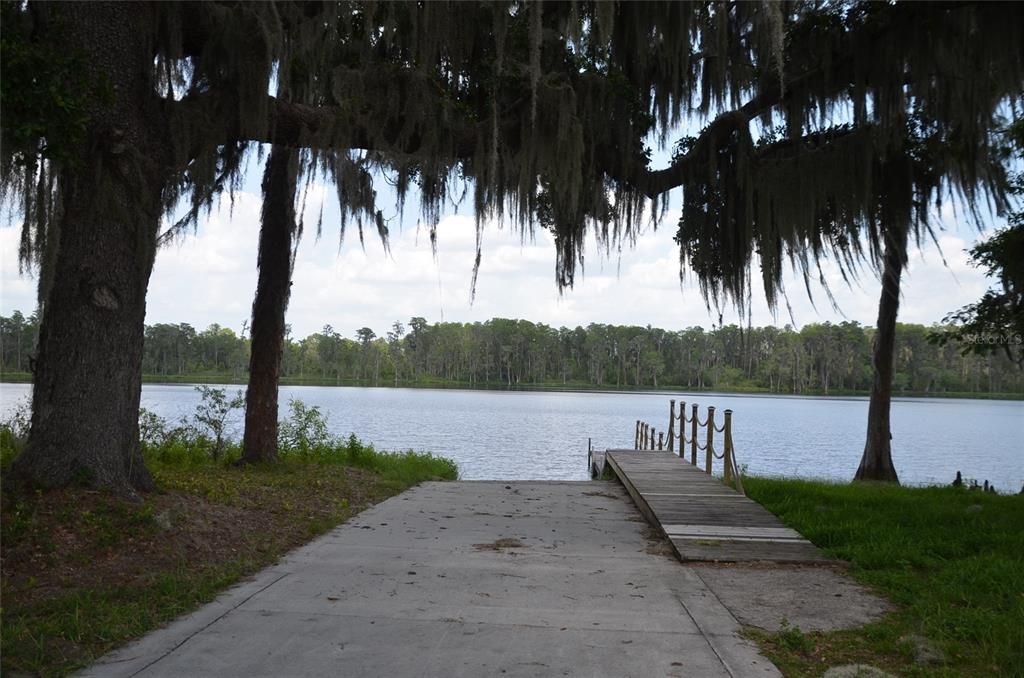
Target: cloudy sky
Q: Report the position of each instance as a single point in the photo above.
(210, 277)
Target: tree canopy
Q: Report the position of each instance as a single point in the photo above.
(831, 128)
(996, 321)
(822, 115)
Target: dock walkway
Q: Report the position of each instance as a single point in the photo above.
(702, 518)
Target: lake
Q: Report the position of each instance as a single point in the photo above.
(541, 435)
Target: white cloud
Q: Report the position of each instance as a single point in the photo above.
(211, 277)
(17, 292)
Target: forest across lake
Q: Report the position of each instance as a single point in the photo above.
(825, 358)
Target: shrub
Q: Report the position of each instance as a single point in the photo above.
(304, 431)
(14, 431)
(212, 414)
(303, 436)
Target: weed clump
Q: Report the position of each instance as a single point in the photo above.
(303, 437)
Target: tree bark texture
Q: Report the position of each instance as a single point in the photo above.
(876, 462)
(273, 289)
(87, 384)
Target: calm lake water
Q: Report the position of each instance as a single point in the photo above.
(530, 435)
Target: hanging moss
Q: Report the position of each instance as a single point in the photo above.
(899, 75)
(542, 112)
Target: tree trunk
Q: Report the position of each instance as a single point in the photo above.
(273, 289)
(88, 376)
(876, 463)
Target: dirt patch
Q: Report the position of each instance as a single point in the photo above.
(657, 545)
(66, 539)
(835, 566)
(772, 597)
(499, 544)
(80, 539)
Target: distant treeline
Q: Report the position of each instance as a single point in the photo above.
(820, 358)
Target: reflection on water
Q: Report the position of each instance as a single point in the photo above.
(530, 435)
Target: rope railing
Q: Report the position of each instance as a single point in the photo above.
(647, 438)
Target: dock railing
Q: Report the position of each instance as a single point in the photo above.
(647, 438)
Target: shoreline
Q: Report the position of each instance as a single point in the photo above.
(229, 380)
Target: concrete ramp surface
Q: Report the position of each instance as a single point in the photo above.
(464, 579)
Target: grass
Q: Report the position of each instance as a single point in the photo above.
(85, 571)
(951, 560)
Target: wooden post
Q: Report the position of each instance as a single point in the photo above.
(651, 439)
(661, 442)
(671, 425)
(693, 435)
(636, 436)
(643, 436)
(710, 444)
(682, 428)
(727, 446)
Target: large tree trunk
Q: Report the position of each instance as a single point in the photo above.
(876, 463)
(88, 375)
(268, 309)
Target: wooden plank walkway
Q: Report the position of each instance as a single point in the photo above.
(702, 518)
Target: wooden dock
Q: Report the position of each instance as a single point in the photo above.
(702, 518)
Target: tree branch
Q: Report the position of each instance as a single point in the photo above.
(310, 126)
(655, 182)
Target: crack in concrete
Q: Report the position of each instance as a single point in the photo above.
(209, 624)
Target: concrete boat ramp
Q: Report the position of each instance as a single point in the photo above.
(465, 579)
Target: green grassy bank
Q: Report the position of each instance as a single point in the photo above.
(951, 560)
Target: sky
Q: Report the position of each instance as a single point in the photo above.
(210, 277)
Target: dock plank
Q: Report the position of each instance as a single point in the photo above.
(703, 519)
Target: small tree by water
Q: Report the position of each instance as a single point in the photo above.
(212, 414)
(304, 430)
